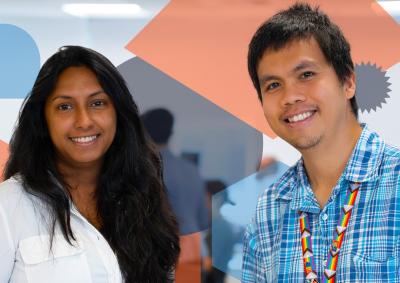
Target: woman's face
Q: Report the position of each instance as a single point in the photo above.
(81, 119)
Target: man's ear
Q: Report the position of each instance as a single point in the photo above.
(350, 85)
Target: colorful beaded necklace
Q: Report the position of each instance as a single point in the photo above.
(333, 254)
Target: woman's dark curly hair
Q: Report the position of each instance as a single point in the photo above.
(131, 199)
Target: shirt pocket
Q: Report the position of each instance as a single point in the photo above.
(64, 263)
(367, 269)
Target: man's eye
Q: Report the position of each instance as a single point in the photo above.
(272, 86)
(64, 107)
(307, 75)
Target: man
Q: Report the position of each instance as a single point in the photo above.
(186, 190)
(335, 215)
(186, 193)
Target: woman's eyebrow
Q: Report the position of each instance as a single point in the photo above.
(62, 96)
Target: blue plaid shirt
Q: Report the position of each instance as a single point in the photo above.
(371, 248)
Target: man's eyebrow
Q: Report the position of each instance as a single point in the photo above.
(70, 97)
(304, 64)
(267, 77)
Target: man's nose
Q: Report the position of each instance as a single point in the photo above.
(292, 94)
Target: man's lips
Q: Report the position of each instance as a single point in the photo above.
(299, 116)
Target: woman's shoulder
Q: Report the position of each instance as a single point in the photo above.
(25, 214)
(11, 186)
(12, 192)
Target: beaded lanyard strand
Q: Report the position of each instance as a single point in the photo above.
(333, 254)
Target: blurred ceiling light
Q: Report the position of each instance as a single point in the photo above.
(85, 10)
(392, 7)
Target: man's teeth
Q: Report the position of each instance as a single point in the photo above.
(84, 139)
(300, 117)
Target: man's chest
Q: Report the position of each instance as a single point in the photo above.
(369, 253)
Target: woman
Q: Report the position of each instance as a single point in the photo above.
(84, 199)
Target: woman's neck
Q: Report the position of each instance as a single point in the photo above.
(82, 185)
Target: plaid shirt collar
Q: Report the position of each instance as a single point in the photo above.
(362, 166)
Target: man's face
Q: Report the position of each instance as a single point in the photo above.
(303, 100)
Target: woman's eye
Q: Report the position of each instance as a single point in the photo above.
(98, 103)
(64, 107)
(307, 75)
(272, 86)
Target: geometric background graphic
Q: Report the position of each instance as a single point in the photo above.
(20, 59)
(227, 148)
(210, 38)
(3, 157)
(237, 213)
(200, 46)
(384, 119)
(372, 87)
(203, 44)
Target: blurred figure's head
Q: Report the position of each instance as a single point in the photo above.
(159, 123)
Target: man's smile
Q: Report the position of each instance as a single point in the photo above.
(300, 117)
(297, 116)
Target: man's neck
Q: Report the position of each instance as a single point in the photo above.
(326, 162)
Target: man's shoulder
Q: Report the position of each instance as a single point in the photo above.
(284, 182)
(391, 152)
(375, 157)
(281, 189)
(391, 159)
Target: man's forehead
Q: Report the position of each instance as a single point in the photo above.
(308, 40)
(295, 55)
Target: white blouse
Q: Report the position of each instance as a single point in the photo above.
(25, 256)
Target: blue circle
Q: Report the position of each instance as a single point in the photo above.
(20, 62)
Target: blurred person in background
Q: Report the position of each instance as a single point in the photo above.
(186, 192)
(223, 240)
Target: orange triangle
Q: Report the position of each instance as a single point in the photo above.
(203, 44)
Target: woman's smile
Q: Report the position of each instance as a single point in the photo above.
(85, 140)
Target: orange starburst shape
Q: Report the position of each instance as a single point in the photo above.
(203, 44)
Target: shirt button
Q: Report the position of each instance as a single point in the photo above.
(324, 216)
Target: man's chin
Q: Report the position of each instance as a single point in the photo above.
(305, 143)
